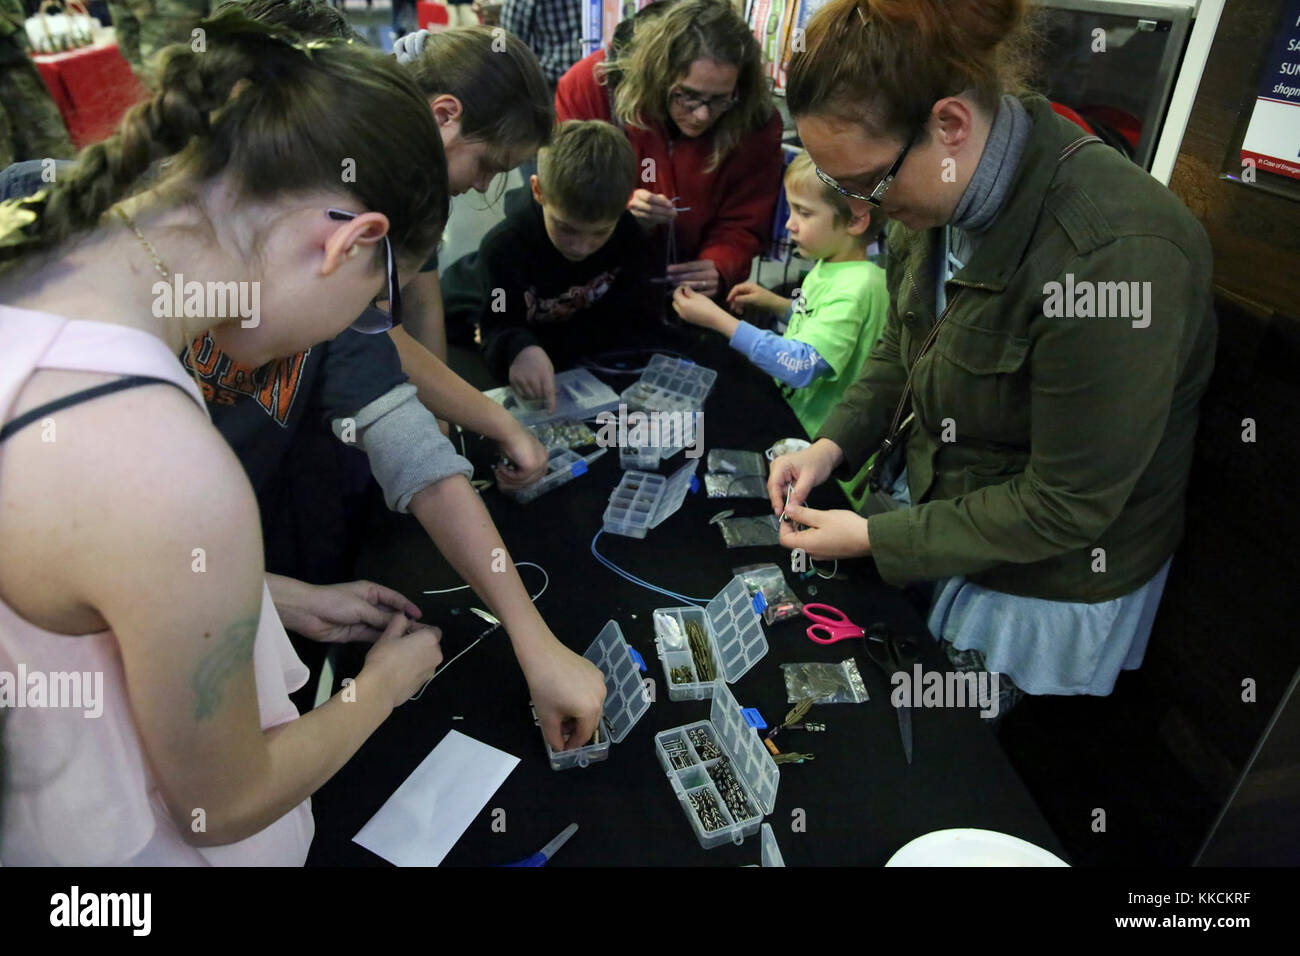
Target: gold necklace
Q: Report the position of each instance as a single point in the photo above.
(167, 275)
(157, 260)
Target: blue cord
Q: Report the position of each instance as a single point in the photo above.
(637, 581)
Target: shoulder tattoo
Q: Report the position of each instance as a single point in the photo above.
(232, 651)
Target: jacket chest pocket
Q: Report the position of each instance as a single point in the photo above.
(978, 378)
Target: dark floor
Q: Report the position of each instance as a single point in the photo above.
(1113, 796)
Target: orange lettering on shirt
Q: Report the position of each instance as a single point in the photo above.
(277, 394)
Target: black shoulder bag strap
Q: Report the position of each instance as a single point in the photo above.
(888, 461)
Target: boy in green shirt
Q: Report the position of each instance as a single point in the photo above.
(835, 317)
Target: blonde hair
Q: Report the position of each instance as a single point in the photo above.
(660, 55)
(802, 174)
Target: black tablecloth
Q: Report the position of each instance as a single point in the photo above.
(857, 803)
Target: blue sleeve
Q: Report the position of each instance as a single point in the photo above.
(795, 363)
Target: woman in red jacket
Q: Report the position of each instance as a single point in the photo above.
(691, 95)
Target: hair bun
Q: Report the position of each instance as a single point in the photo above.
(886, 62)
(982, 23)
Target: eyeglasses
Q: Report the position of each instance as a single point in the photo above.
(375, 319)
(692, 101)
(876, 195)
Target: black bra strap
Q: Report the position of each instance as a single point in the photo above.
(85, 395)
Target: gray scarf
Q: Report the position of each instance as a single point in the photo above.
(989, 186)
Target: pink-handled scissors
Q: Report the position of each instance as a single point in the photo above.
(830, 623)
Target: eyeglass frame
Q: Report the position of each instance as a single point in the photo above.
(873, 199)
(679, 95)
(394, 313)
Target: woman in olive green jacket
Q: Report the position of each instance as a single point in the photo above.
(1050, 333)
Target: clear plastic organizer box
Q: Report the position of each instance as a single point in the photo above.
(672, 438)
(563, 466)
(725, 734)
(771, 850)
(643, 457)
(643, 500)
(678, 440)
(670, 385)
(733, 624)
(626, 698)
(578, 395)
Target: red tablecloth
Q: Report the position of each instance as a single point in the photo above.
(92, 88)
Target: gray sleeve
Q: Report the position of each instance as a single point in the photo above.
(407, 450)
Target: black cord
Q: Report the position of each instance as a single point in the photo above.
(608, 362)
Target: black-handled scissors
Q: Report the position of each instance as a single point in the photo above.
(893, 654)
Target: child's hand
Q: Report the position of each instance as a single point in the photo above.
(752, 295)
(567, 692)
(651, 209)
(533, 376)
(526, 456)
(700, 274)
(698, 309)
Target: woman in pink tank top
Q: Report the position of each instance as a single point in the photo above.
(266, 194)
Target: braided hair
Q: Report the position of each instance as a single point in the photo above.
(274, 117)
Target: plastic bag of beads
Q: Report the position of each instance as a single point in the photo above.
(732, 461)
(734, 473)
(723, 485)
(757, 531)
(782, 602)
(826, 683)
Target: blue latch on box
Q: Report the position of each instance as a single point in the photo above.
(579, 467)
(754, 718)
(640, 661)
(695, 484)
(760, 603)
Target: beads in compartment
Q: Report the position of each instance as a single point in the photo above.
(730, 789)
(706, 810)
(703, 744)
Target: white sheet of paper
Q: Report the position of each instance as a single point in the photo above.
(420, 823)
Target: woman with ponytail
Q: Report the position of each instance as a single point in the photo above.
(1050, 333)
(130, 556)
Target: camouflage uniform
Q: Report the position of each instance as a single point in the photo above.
(30, 124)
(143, 27)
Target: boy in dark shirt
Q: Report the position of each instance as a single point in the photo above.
(568, 276)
